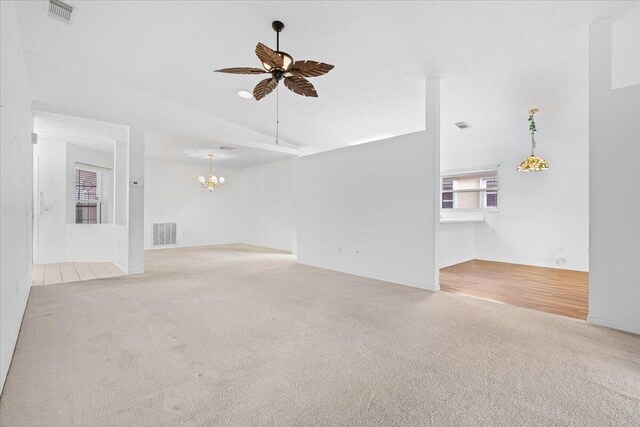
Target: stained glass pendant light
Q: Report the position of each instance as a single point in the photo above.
(212, 181)
(533, 163)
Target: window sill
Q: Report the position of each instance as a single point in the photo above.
(449, 211)
(461, 217)
(460, 220)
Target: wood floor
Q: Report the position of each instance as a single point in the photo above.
(65, 272)
(552, 290)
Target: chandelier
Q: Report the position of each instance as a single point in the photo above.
(213, 181)
(533, 163)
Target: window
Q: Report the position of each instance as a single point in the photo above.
(447, 193)
(88, 205)
(489, 198)
(470, 190)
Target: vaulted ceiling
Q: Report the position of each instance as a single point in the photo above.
(155, 59)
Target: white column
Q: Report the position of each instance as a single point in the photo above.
(136, 199)
(432, 126)
(294, 207)
(121, 205)
(614, 208)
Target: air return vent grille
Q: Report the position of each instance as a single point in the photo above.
(60, 11)
(463, 125)
(164, 233)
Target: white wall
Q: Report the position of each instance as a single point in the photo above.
(16, 182)
(267, 205)
(614, 276)
(254, 207)
(121, 190)
(121, 206)
(173, 194)
(51, 201)
(372, 209)
(542, 217)
(366, 210)
(625, 50)
(457, 243)
(121, 247)
(89, 243)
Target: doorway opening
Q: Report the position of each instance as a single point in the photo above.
(511, 237)
(78, 191)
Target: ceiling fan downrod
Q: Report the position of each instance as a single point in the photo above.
(277, 27)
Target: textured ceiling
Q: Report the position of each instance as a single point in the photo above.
(100, 135)
(88, 133)
(491, 56)
(195, 150)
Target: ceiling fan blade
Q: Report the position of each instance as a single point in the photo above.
(241, 70)
(308, 68)
(264, 88)
(301, 86)
(269, 56)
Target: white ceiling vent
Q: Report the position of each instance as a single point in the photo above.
(60, 11)
(463, 125)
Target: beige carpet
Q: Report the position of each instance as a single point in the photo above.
(239, 336)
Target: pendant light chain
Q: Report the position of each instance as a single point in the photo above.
(533, 144)
(532, 128)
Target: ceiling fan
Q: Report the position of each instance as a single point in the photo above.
(281, 66)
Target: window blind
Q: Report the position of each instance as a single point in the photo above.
(86, 185)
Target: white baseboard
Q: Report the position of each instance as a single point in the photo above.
(634, 329)
(411, 284)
